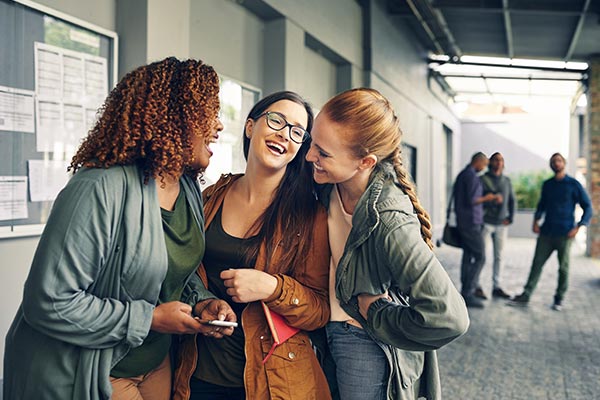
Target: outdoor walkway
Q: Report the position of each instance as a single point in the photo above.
(527, 353)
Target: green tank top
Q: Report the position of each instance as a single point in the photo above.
(185, 248)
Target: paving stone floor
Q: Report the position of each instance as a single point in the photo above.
(532, 353)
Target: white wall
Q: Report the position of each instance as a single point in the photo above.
(336, 23)
(321, 82)
(101, 13)
(230, 38)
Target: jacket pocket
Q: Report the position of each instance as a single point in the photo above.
(290, 369)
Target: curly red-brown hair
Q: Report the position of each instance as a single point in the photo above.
(151, 117)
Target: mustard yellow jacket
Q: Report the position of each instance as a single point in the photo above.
(292, 372)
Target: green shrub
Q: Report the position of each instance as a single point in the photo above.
(528, 186)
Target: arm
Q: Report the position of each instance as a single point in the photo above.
(511, 203)
(586, 205)
(302, 299)
(436, 314)
(540, 209)
(69, 267)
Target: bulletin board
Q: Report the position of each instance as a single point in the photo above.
(55, 72)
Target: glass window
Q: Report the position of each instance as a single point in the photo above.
(228, 153)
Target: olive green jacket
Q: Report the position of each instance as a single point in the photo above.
(385, 251)
(93, 285)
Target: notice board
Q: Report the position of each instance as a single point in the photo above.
(55, 73)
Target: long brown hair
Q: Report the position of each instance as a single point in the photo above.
(151, 117)
(293, 209)
(373, 128)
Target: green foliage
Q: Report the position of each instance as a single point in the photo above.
(528, 186)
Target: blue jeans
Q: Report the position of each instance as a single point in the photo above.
(202, 390)
(361, 365)
(499, 234)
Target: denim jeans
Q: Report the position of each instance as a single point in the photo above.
(361, 365)
(498, 235)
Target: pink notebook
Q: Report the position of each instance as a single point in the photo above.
(280, 330)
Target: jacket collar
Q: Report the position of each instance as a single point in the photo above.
(375, 200)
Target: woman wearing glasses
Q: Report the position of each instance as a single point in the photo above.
(266, 240)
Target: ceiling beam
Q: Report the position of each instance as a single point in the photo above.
(508, 29)
(577, 32)
(569, 8)
(516, 78)
(435, 26)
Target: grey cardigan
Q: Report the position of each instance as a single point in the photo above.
(385, 251)
(93, 285)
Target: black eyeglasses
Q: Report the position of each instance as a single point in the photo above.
(278, 122)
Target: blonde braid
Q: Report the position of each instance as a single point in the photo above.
(409, 189)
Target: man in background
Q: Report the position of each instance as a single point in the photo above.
(557, 203)
(497, 215)
(468, 205)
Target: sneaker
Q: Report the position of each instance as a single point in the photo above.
(557, 306)
(500, 293)
(473, 302)
(520, 300)
(480, 294)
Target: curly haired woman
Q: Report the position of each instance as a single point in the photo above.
(125, 236)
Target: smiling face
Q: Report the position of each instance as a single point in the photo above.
(271, 148)
(332, 159)
(201, 145)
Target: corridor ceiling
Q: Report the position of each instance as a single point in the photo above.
(560, 32)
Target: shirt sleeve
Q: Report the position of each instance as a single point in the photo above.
(586, 205)
(512, 202)
(72, 254)
(541, 206)
(436, 313)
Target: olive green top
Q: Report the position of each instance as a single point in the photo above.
(185, 249)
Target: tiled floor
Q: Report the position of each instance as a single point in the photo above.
(527, 353)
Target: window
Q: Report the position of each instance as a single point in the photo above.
(409, 159)
(228, 153)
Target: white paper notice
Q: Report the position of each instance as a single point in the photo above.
(46, 179)
(48, 77)
(70, 87)
(49, 125)
(13, 197)
(16, 110)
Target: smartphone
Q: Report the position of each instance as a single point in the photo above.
(217, 322)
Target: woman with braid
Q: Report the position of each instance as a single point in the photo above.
(392, 303)
(106, 287)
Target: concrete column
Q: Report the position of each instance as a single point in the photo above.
(284, 56)
(594, 165)
(150, 30)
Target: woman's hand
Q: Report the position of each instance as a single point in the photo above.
(218, 309)
(365, 300)
(246, 285)
(174, 317)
